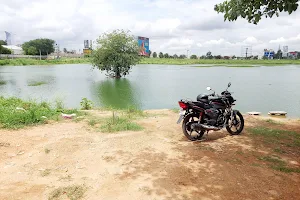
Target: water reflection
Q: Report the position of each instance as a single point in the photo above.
(116, 93)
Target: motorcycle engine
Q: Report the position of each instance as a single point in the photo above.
(215, 116)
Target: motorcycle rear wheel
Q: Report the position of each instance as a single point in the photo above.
(186, 127)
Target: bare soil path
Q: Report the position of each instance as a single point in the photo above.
(156, 163)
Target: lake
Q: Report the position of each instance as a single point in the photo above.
(260, 89)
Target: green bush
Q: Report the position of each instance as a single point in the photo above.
(86, 104)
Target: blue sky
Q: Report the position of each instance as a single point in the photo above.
(173, 26)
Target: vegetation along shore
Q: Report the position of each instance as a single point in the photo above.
(161, 61)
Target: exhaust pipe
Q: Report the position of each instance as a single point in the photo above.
(202, 127)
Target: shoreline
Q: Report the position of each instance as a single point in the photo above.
(156, 61)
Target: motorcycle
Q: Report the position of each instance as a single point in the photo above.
(211, 112)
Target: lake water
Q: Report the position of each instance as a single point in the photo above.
(157, 86)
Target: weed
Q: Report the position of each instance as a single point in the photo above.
(45, 172)
(116, 124)
(276, 136)
(2, 82)
(37, 83)
(74, 192)
(92, 122)
(270, 121)
(277, 164)
(175, 110)
(59, 104)
(16, 113)
(86, 104)
(279, 150)
(47, 150)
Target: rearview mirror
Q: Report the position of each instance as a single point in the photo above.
(229, 84)
(208, 88)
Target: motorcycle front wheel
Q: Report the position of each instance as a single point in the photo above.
(236, 125)
(186, 128)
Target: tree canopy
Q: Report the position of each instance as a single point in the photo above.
(254, 10)
(154, 55)
(193, 57)
(117, 52)
(160, 55)
(4, 50)
(2, 42)
(46, 46)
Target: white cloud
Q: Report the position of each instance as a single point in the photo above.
(286, 40)
(173, 26)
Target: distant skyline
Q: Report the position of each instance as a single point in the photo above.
(173, 26)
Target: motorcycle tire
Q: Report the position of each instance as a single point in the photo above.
(186, 128)
(237, 132)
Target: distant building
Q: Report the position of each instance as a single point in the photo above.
(294, 54)
(15, 49)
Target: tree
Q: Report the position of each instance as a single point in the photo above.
(150, 52)
(175, 56)
(161, 55)
(254, 10)
(117, 52)
(2, 42)
(154, 55)
(208, 55)
(65, 50)
(46, 46)
(4, 50)
(166, 55)
(193, 57)
(182, 56)
(218, 57)
(32, 51)
(233, 57)
(278, 55)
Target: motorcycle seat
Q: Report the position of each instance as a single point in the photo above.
(201, 104)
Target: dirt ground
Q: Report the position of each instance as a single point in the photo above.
(156, 163)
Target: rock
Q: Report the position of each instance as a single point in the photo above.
(18, 108)
(21, 153)
(294, 162)
(68, 116)
(43, 117)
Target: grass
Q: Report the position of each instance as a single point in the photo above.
(270, 121)
(2, 82)
(277, 136)
(175, 110)
(234, 63)
(278, 164)
(47, 150)
(37, 83)
(167, 61)
(120, 120)
(28, 61)
(74, 192)
(45, 172)
(119, 123)
(16, 113)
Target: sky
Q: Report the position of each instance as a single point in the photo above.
(173, 26)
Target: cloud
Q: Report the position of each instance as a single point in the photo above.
(281, 40)
(173, 26)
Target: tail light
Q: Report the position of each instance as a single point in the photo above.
(182, 105)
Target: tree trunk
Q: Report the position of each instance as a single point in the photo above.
(118, 74)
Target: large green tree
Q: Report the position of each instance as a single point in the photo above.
(254, 10)
(2, 42)
(46, 46)
(193, 57)
(118, 51)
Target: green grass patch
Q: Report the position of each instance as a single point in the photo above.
(36, 83)
(28, 61)
(74, 192)
(122, 123)
(45, 172)
(16, 113)
(2, 82)
(238, 63)
(277, 136)
(278, 164)
(270, 121)
(175, 110)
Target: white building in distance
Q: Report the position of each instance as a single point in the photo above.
(15, 49)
